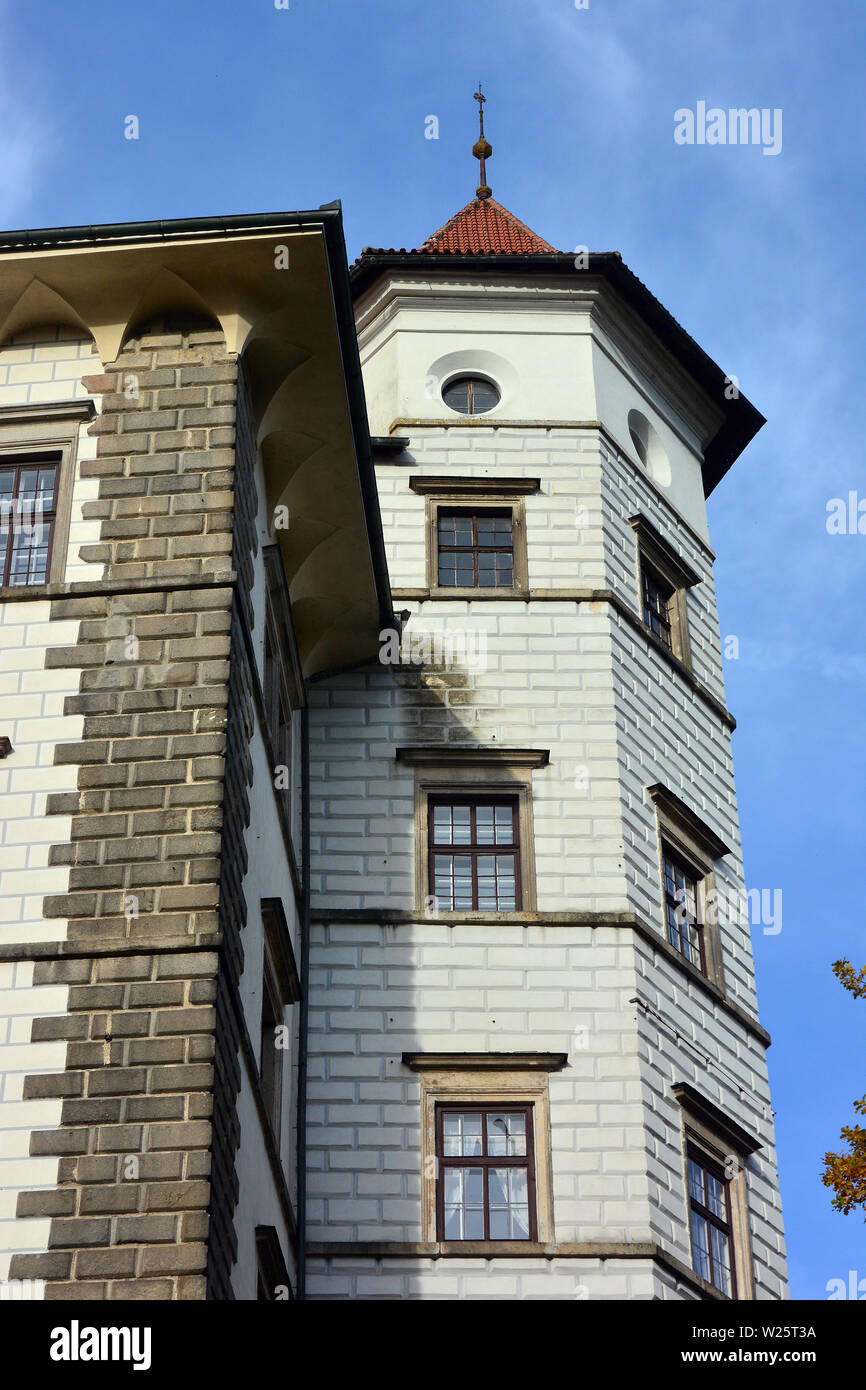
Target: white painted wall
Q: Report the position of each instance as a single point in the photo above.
(35, 368)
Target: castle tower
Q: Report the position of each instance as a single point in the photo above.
(536, 1065)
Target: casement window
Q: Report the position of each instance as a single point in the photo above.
(28, 512)
(658, 599)
(474, 853)
(688, 852)
(476, 534)
(685, 932)
(476, 549)
(664, 579)
(486, 1169)
(38, 448)
(716, 1158)
(280, 989)
(474, 839)
(487, 1173)
(710, 1222)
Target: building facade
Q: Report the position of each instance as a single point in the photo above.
(372, 895)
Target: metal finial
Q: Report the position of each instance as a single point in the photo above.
(481, 149)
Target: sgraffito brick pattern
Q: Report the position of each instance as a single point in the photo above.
(146, 854)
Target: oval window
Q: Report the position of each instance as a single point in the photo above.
(471, 395)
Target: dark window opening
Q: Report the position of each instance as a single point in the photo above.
(272, 1049)
(657, 596)
(471, 395)
(476, 549)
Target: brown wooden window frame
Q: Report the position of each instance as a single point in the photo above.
(476, 547)
(36, 434)
(683, 934)
(282, 692)
(9, 520)
(475, 849)
(471, 381)
(476, 496)
(485, 1162)
(280, 989)
(685, 840)
(707, 1165)
(664, 580)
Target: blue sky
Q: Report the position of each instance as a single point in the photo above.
(246, 108)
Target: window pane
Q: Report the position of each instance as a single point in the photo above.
(504, 825)
(484, 833)
(485, 396)
(696, 1182)
(452, 882)
(716, 1197)
(509, 1204)
(700, 1246)
(462, 1135)
(506, 1135)
(721, 1257)
(464, 1204)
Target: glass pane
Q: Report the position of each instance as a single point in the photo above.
(464, 1204)
(716, 1197)
(484, 831)
(485, 397)
(452, 882)
(462, 1135)
(452, 825)
(696, 1182)
(504, 825)
(456, 394)
(509, 1204)
(506, 1136)
(700, 1246)
(721, 1256)
(496, 883)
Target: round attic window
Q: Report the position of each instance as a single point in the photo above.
(471, 395)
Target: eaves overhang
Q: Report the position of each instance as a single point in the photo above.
(290, 317)
(740, 419)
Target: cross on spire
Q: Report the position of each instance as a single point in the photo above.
(481, 149)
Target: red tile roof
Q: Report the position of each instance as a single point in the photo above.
(483, 228)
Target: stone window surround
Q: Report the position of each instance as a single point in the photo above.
(680, 829)
(484, 1079)
(712, 1133)
(54, 428)
(653, 551)
(440, 770)
(461, 493)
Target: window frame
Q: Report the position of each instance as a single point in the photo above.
(475, 495)
(476, 548)
(715, 1138)
(280, 990)
(485, 1162)
(471, 378)
(658, 561)
(476, 773)
(282, 693)
(695, 1154)
(681, 834)
(475, 849)
(13, 464)
(499, 1080)
(31, 432)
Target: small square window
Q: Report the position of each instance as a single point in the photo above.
(475, 550)
(664, 579)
